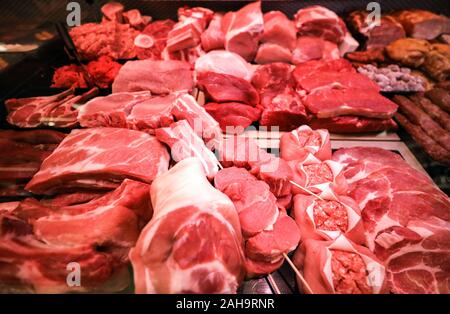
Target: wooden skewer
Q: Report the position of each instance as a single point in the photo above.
(299, 275)
(273, 284)
(305, 190)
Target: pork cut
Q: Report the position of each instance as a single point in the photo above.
(314, 48)
(279, 30)
(193, 243)
(224, 62)
(269, 52)
(243, 29)
(233, 117)
(150, 43)
(353, 124)
(158, 77)
(88, 158)
(299, 143)
(213, 37)
(184, 143)
(226, 88)
(405, 215)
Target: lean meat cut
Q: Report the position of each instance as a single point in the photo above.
(268, 232)
(406, 218)
(353, 124)
(339, 266)
(233, 117)
(243, 29)
(297, 144)
(314, 48)
(89, 159)
(213, 37)
(158, 77)
(193, 243)
(279, 30)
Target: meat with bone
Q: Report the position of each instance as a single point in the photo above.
(242, 151)
(243, 30)
(429, 145)
(352, 124)
(339, 266)
(420, 118)
(422, 24)
(134, 18)
(191, 24)
(88, 158)
(440, 97)
(435, 112)
(279, 30)
(55, 111)
(213, 37)
(233, 117)
(267, 232)
(320, 177)
(328, 218)
(405, 215)
(158, 77)
(302, 141)
(268, 53)
(184, 143)
(225, 88)
(314, 48)
(224, 62)
(281, 105)
(112, 11)
(193, 243)
(93, 40)
(376, 36)
(151, 42)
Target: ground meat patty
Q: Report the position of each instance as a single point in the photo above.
(318, 173)
(349, 273)
(330, 216)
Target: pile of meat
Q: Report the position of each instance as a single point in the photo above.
(427, 120)
(102, 71)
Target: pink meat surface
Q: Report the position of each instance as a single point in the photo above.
(235, 116)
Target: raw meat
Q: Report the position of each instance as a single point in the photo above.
(353, 124)
(113, 11)
(281, 105)
(268, 53)
(54, 111)
(351, 101)
(224, 88)
(187, 108)
(150, 43)
(315, 66)
(184, 143)
(243, 29)
(241, 151)
(88, 158)
(69, 76)
(135, 19)
(339, 266)
(328, 218)
(93, 40)
(405, 215)
(314, 48)
(193, 243)
(302, 141)
(152, 113)
(376, 36)
(233, 117)
(224, 62)
(213, 37)
(320, 22)
(186, 33)
(103, 71)
(422, 24)
(158, 77)
(279, 30)
(267, 232)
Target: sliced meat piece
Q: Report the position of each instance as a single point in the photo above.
(152, 40)
(319, 81)
(353, 124)
(233, 117)
(226, 88)
(314, 48)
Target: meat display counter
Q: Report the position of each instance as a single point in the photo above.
(271, 147)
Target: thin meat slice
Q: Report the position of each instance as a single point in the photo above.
(318, 81)
(225, 88)
(352, 124)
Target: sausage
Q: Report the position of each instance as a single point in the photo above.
(440, 97)
(435, 112)
(427, 143)
(424, 121)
